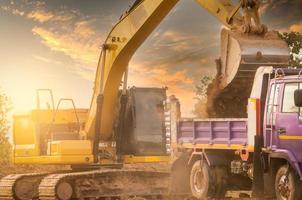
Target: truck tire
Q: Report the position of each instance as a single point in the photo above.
(200, 180)
(287, 184)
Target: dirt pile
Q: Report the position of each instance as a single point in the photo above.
(230, 102)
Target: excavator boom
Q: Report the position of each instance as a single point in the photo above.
(126, 36)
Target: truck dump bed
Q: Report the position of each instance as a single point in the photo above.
(213, 132)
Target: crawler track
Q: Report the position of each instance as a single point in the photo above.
(105, 184)
(20, 186)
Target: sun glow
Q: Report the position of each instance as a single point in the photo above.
(21, 87)
(22, 97)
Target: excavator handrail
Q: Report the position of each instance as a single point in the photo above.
(56, 111)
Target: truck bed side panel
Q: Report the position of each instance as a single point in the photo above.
(213, 131)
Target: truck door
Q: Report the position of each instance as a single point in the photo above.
(271, 110)
(289, 122)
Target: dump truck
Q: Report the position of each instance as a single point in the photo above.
(124, 126)
(261, 152)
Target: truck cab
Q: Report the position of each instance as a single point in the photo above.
(275, 131)
(282, 133)
(261, 152)
(283, 120)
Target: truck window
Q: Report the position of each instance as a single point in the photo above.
(288, 98)
(272, 104)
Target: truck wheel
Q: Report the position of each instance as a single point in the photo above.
(200, 180)
(287, 184)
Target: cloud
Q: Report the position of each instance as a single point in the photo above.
(159, 76)
(177, 48)
(177, 41)
(296, 27)
(46, 60)
(40, 16)
(76, 38)
(83, 29)
(43, 16)
(11, 9)
(80, 43)
(64, 30)
(178, 82)
(280, 14)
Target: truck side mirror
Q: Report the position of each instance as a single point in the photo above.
(298, 98)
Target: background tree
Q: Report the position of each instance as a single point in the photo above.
(5, 147)
(294, 41)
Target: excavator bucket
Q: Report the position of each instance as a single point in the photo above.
(241, 55)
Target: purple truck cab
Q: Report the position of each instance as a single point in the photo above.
(283, 121)
(266, 147)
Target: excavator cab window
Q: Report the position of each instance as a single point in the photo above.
(145, 132)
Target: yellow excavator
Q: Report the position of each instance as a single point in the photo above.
(126, 126)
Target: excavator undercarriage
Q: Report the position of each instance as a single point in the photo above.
(104, 183)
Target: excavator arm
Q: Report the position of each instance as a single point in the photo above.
(247, 21)
(224, 11)
(131, 31)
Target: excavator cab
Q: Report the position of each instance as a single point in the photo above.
(49, 134)
(144, 133)
(53, 135)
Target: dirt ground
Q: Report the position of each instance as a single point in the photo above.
(7, 168)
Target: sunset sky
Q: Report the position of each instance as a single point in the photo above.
(55, 44)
